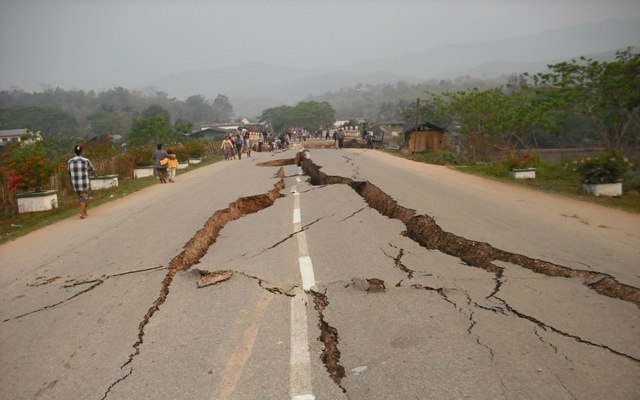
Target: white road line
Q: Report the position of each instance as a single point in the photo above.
(296, 216)
(300, 359)
(306, 271)
(301, 388)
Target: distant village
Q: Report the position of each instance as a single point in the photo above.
(418, 138)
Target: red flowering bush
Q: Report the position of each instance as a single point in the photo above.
(27, 167)
(515, 161)
(140, 156)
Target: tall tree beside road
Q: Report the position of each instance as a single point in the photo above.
(480, 115)
(222, 103)
(109, 122)
(277, 117)
(48, 121)
(606, 93)
(156, 129)
(313, 115)
(310, 115)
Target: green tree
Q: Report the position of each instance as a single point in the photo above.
(606, 93)
(154, 110)
(156, 129)
(310, 115)
(277, 117)
(49, 122)
(183, 126)
(109, 122)
(222, 103)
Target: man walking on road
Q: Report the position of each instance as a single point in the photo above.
(340, 138)
(161, 170)
(239, 143)
(79, 170)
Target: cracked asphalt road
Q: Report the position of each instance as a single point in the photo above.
(462, 298)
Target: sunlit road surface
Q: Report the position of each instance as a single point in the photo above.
(354, 275)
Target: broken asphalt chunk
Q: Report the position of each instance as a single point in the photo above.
(208, 278)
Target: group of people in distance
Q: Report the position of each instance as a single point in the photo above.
(234, 146)
(80, 169)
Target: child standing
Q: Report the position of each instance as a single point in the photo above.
(171, 162)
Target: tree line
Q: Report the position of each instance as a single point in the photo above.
(580, 102)
(68, 116)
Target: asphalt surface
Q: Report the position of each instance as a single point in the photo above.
(111, 308)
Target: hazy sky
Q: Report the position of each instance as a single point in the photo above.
(99, 44)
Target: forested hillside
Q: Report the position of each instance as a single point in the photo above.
(583, 102)
(65, 115)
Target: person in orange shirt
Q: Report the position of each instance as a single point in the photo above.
(171, 162)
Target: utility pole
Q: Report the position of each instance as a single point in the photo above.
(417, 113)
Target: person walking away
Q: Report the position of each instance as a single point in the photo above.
(340, 137)
(79, 170)
(171, 163)
(161, 171)
(369, 140)
(227, 148)
(247, 144)
(239, 146)
(260, 141)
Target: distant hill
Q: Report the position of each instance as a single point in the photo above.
(253, 87)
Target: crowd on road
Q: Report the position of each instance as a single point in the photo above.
(165, 162)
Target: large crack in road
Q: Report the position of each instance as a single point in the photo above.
(424, 230)
(195, 249)
(70, 283)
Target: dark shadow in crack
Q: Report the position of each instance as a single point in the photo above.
(424, 230)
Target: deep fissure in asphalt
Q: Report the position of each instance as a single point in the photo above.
(330, 355)
(195, 249)
(424, 230)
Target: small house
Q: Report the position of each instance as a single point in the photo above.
(10, 135)
(425, 137)
(211, 133)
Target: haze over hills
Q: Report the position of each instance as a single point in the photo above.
(256, 86)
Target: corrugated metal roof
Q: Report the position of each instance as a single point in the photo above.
(13, 132)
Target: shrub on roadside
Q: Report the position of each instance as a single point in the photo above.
(182, 152)
(438, 157)
(609, 167)
(513, 160)
(27, 167)
(196, 149)
(140, 156)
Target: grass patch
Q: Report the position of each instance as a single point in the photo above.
(14, 225)
(438, 158)
(553, 177)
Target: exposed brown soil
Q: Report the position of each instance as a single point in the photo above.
(426, 232)
(208, 278)
(197, 247)
(330, 355)
(277, 163)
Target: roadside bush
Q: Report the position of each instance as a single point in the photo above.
(438, 158)
(196, 149)
(105, 157)
(139, 156)
(609, 167)
(513, 160)
(182, 152)
(27, 167)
